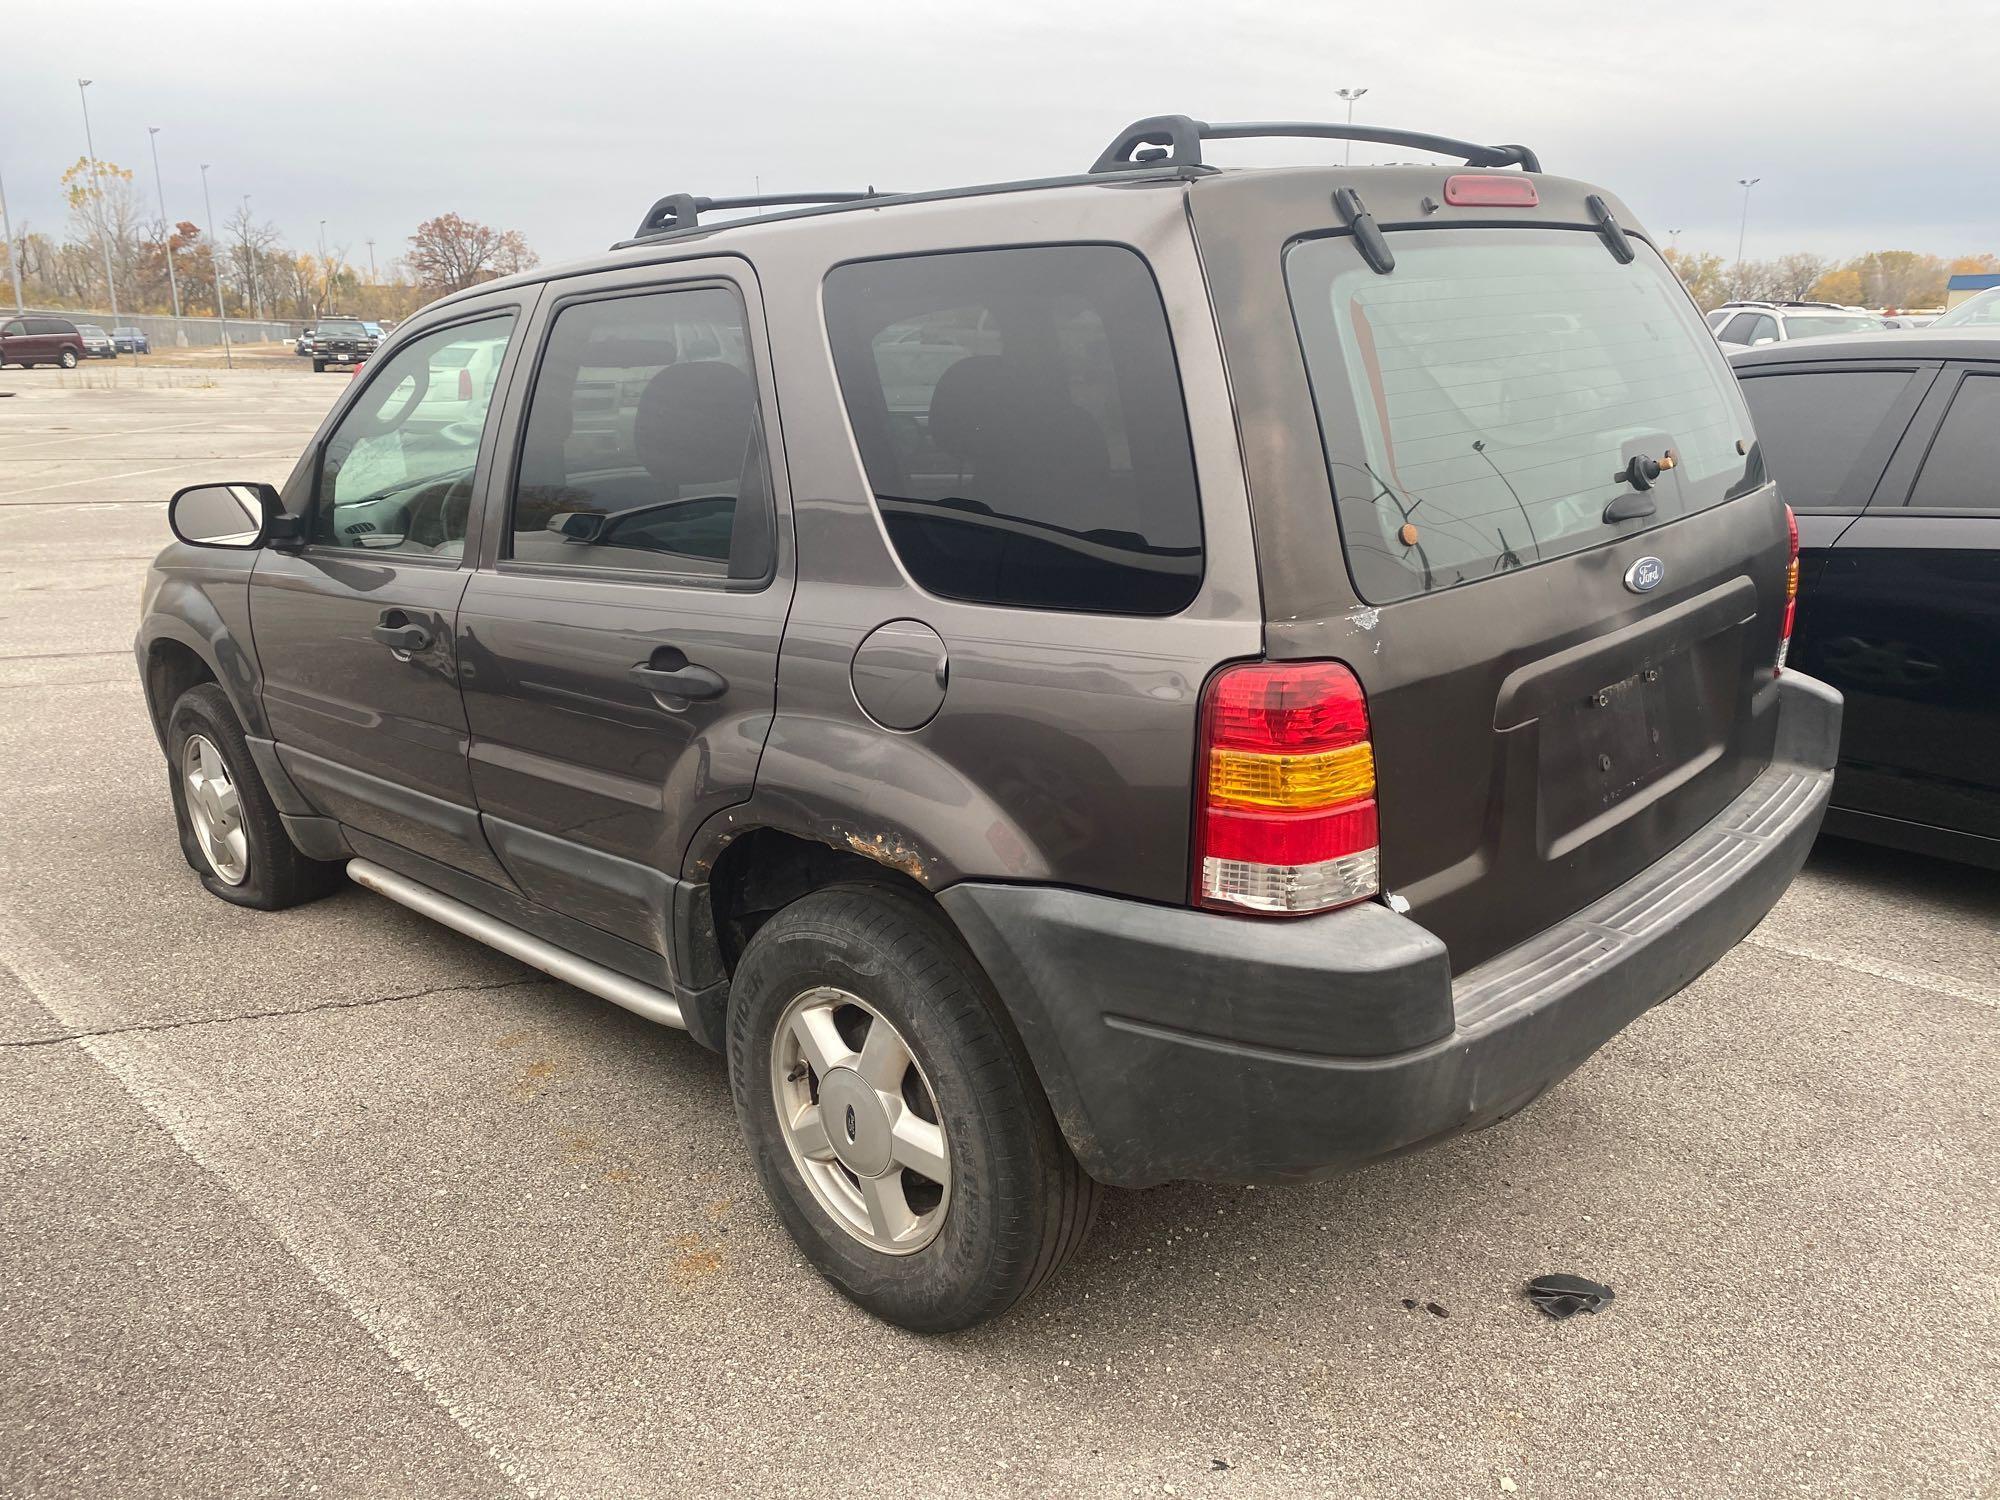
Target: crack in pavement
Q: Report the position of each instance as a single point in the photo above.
(263, 1015)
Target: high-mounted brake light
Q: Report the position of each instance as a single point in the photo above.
(1791, 592)
(1490, 190)
(1285, 800)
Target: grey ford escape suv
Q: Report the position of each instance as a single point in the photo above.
(1161, 673)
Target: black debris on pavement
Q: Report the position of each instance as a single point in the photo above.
(1563, 1296)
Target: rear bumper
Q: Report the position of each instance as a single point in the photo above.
(1175, 1043)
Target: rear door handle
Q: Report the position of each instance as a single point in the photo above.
(399, 632)
(677, 677)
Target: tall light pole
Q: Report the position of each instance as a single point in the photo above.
(166, 236)
(103, 234)
(1746, 183)
(13, 255)
(1350, 95)
(250, 254)
(221, 309)
(371, 263)
(325, 271)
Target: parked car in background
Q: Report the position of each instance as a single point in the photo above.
(39, 340)
(132, 340)
(305, 342)
(1888, 449)
(1744, 325)
(1982, 311)
(97, 344)
(1260, 683)
(374, 331)
(340, 341)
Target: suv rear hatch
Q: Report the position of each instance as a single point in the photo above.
(1566, 658)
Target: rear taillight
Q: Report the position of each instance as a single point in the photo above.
(1285, 795)
(1791, 592)
(464, 384)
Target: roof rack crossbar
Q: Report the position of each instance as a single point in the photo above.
(1175, 140)
(684, 210)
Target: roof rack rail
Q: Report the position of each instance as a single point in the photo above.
(1175, 141)
(684, 210)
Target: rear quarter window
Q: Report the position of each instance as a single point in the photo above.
(1480, 402)
(1814, 426)
(1019, 415)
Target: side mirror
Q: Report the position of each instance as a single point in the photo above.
(236, 516)
(576, 525)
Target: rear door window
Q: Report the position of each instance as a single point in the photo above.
(1814, 426)
(1020, 417)
(1962, 470)
(1480, 403)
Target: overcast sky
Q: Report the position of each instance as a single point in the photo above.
(1872, 126)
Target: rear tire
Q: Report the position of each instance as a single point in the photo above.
(231, 834)
(68, 359)
(1006, 1203)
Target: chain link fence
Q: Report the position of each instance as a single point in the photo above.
(200, 333)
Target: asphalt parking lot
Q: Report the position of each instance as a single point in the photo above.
(337, 1201)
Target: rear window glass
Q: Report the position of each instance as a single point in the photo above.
(1019, 414)
(1480, 403)
(1814, 425)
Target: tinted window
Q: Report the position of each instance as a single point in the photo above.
(1812, 426)
(1480, 404)
(397, 474)
(1963, 466)
(15, 329)
(643, 447)
(1822, 325)
(1019, 414)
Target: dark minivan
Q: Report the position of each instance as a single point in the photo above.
(1888, 447)
(39, 340)
(1159, 673)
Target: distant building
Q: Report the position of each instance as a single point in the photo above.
(1968, 284)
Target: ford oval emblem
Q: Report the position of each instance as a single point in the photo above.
(1645, 575)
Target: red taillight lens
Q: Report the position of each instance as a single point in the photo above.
(1285, 801)
(1791, 592)
(1490, 190)
(464, 384)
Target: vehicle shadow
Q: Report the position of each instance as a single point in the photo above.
(1964, 889)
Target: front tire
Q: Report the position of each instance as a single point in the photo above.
(896, 1120)
(230, 831)
(319, 367)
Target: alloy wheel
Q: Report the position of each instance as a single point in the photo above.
(860, 1120)
(215, 808)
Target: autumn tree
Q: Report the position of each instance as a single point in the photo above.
(104, 208)
(450, 253)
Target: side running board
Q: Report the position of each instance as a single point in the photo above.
(558, 963)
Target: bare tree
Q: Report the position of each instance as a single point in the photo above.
(1794, 276)
(105, 210)
(450, 253)
(250, 242)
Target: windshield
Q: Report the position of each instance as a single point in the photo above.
(340, 328)
(1982, 311)
(1481, 403)
(1819, 327)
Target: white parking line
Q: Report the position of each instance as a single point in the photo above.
(13, 450)
(516, 1423)
(1937, 984)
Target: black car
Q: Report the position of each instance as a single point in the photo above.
(340, 341)
(1888, 448)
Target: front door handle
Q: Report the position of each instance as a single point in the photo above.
(399, 632)
(669, 674)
